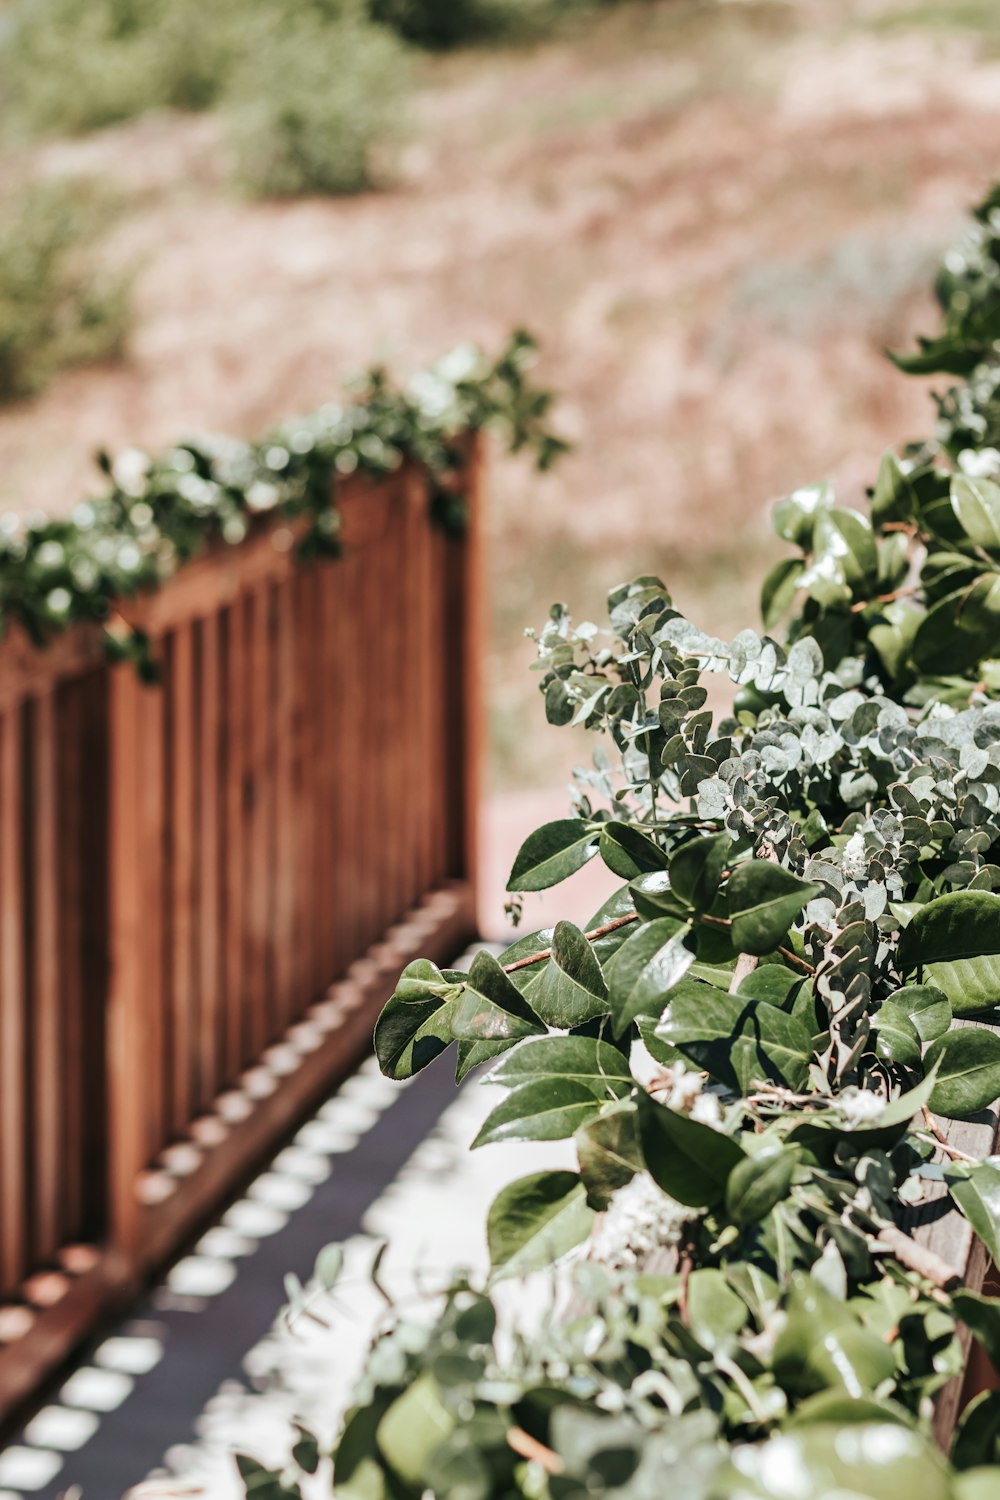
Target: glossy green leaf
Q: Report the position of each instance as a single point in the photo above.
(715, 1312)
(867, 1461)
(409, 1037)
(897, 1038)
(968, 1078)
(544, 1109)
(415, 1423)
(982, 1316)
(688, 1160)
(821, 1346)
(975, 1187)
(954, 942)
(530, 945)
(609, 1152)
(536, 1220)
(583, 1059)
(778, 591)
(628, 852)
(696, 870)
(764, 900)
(976, 503)
(491, 1009)
(570, 988)
(650, 961)
(927, 1007)
(552, 853)
(737, 1040)
(977, 1437)
(758, 1182)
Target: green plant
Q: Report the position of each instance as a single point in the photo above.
(748, 1045)
(312, 89)
(57, 307)
(73, 68)
(315, 102)
(159, 513)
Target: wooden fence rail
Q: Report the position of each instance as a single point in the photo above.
(207, 886)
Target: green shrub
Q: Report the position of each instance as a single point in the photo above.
(312, 88)
(315, 102)
(451, 23)
(442, 23)
(71, 67)
(747, 1043)
(56, 307)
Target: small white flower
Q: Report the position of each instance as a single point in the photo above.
(855, 860)
(707, 1110)
(640, 1218)
(129, 471)
(860, 1106)
(686, 1088)
(261, 496)
(51, 555)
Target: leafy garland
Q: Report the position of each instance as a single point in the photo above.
(161, 513)
(751, 1041)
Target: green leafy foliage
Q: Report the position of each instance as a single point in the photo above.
(745, 1041)
(316, 103)
(311, 90)
(58, 306)
(160, 513)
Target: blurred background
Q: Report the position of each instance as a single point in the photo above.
(714, 214)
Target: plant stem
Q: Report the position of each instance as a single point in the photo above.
(929, 1265)
(525, 1446)
(596, 932)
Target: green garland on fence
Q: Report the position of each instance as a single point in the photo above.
(161, 512)
(748, 1043)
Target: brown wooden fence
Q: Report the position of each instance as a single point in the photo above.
(208, 886)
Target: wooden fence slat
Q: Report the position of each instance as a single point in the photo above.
(13, 1155)
(182, 813)
(210, 1028)
(127, 1043)
(235, 773)
(151, 789)
(74, 1072)
(284, 870)
(46, 1018)
(258, 682)
(306, 613)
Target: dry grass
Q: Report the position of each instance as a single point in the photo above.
(715, 215)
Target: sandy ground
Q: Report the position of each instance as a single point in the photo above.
(714, 215)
